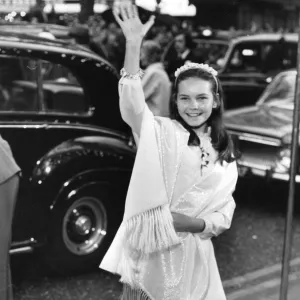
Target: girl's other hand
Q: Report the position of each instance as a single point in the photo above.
(126, 15)
(184, 223)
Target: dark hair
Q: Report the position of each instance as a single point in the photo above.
(189, 43)
(153, 50)
(221, 140)
(80, 33)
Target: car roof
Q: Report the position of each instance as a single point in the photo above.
(266, 37)
(33, 42)
(59, 31)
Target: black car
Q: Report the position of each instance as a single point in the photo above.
(251, 62)
(59, 112)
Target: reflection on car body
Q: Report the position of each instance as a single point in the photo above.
(263, 131)
(59, 112)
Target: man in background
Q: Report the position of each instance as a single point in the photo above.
(156, 83)
(184, 52)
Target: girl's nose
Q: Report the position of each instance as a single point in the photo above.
(194, 103)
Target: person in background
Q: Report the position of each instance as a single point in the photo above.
(81, 36)
(9, 186)
(183, 45)
(156, 83)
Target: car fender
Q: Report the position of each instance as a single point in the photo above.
(107, 150)
(75, 163)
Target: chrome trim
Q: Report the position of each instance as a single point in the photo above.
(27, 249)
(30, 126)
(264, 171)
(67, 126)
(259, 140)
(23, 243)
(256, 138)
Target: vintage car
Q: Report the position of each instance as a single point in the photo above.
(59, 112)
(263, 131)
(251, 62)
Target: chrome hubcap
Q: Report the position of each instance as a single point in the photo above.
(83, 225)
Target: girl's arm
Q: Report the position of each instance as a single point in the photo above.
(208, 226)
(215, 222)
(132, 99)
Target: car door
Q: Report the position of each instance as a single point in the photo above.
(21, 128)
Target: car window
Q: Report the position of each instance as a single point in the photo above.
(210, 50)
(246, 58)
(18, 84)
(263, 57)
(62, 90)
(281, 90)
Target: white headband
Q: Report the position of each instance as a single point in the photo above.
(204, 67)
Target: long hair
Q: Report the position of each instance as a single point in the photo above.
(221, 140)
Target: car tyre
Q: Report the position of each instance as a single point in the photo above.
(81, 229)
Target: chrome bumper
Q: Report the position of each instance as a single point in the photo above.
(246, 168)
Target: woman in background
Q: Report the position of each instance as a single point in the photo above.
(9, 186)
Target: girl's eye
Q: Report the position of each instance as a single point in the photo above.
(184, 99)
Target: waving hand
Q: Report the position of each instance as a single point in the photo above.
(126, 15)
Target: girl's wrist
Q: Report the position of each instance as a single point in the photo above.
(134, 42)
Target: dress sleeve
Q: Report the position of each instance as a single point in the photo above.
(132, 103)
(218, 221)
(8, 165)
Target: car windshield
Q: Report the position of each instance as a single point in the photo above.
(281, 91)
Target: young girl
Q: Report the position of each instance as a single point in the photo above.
(180, 193)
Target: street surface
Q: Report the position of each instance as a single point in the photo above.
(254, 241)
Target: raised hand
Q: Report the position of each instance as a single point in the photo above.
(126, 15)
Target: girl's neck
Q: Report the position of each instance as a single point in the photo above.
(201, 131)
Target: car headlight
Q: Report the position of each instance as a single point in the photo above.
(284, 161)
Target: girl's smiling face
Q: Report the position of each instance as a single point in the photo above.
(195, 102)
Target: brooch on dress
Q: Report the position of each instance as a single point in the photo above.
(204, 158)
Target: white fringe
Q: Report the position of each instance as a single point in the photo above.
(133, 294)
(145, 233)
(151, 231)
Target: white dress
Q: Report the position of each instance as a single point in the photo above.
(186, 270)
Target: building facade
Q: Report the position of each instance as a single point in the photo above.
(245, 14)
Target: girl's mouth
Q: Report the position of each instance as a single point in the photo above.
(193, 114)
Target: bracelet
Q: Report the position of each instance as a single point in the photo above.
(136, 76)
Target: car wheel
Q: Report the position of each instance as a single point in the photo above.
(81, 230)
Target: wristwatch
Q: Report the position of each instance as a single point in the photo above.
(136, 76)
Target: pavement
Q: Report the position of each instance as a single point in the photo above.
(269, 290)
(264, 284)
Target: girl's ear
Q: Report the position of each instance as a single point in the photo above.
(216, 101)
